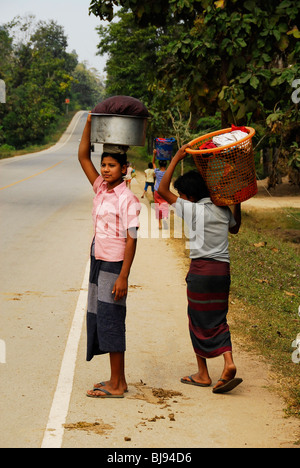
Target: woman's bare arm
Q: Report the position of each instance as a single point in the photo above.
(84, 153)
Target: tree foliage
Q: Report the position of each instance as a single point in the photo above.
(238, 57)
(135, 57)
(39, 74)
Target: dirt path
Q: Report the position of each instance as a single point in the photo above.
(283, 196)
(159, 411)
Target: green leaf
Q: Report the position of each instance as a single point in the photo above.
(285, 4)
(241, 112)
(254, 82)
(245, 78)
(295, 32)
(277, 34)
(250, 5)
(284, 42)
(241, 42)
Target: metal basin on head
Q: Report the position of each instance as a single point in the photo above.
(118, 129)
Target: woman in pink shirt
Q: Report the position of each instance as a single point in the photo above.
(115, 217)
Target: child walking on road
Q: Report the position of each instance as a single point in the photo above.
(150, 178)
(208, 280)
(115, 216)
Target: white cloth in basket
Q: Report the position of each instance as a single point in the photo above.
(228, 138)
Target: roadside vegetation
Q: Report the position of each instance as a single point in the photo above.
(44, 84)
(265, 260)
(7, 151)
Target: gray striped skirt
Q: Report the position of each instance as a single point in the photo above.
(105, 316)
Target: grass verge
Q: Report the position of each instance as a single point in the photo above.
(265, 266)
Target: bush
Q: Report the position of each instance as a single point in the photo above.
(6, 150)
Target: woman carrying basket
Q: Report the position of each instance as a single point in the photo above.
(208, 280)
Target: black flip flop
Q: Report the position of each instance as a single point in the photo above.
(101, 385)
(228, 385)
(106, 394)
(193, 382)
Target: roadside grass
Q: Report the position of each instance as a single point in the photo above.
(265, 267)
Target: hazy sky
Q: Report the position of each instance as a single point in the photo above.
(73, 15)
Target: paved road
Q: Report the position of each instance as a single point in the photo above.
(45, 230)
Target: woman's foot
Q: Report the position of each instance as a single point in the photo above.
(103, 394)
(228, 375)
(123, 386)
(197, 380)
(105, 391)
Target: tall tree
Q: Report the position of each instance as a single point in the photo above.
(87, 87)
(135, 56)
(39, 78)
(239, 56)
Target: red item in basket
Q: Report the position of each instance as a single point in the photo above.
(243, 129)
(208, 145)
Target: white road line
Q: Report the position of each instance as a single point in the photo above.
(54, 432)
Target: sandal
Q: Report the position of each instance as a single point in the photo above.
(107, 394)
(228, 385)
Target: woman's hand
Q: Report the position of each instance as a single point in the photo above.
(120, 288)
(181, 153)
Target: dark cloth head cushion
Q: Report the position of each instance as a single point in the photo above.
(122, 105)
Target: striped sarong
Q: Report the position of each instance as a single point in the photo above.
(208, 285)
(105, 317)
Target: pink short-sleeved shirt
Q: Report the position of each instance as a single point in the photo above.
(114, 212)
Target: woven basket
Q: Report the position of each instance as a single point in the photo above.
(229, 171)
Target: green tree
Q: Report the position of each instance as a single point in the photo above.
(87, 87)
(40, 74)
(41, 79)
(241, 57)
(132, 52)
(6, 51)
(135, 57)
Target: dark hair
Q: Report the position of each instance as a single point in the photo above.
(120, 158)
(150, 165)
(162, 163)
(192, 185)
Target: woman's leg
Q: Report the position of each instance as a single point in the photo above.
(229, 371)
(117, 384)
(202, 377)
